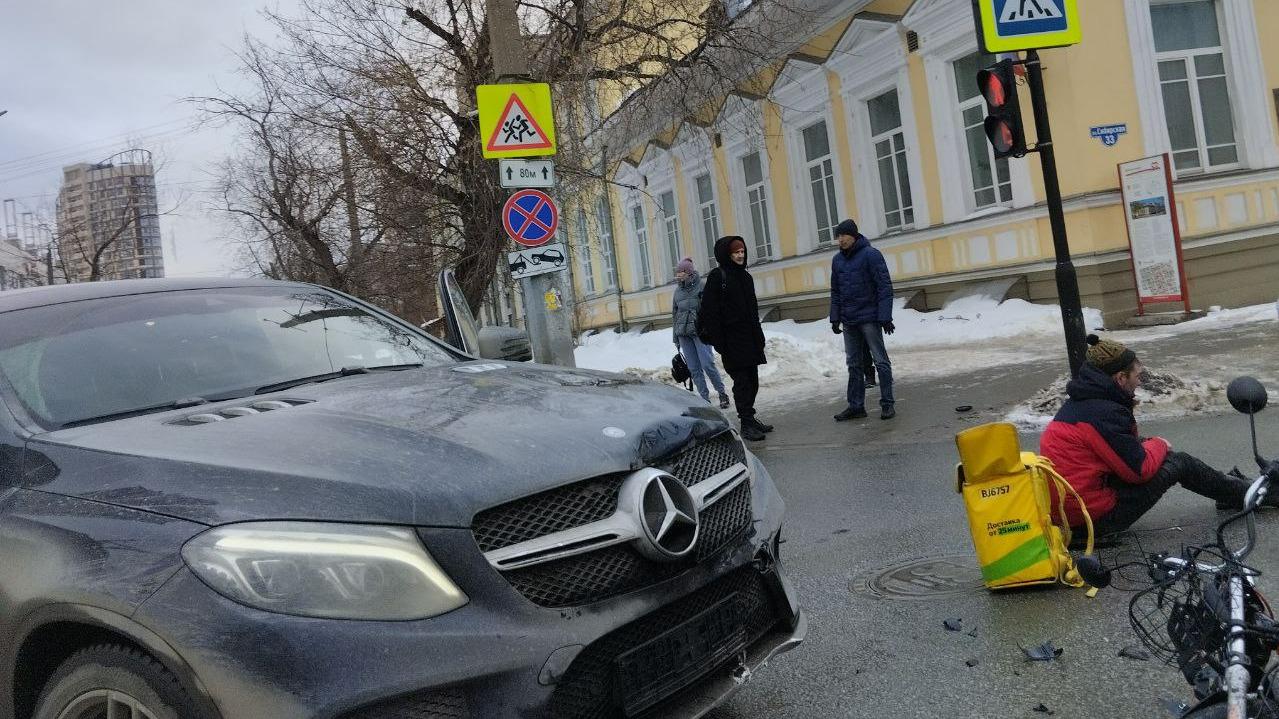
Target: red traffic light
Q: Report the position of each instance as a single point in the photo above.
(1001, 136)
(998, 85)
(993, 88)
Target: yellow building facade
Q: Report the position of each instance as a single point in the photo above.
(877, 117)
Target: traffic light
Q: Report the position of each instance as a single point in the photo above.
(998, 84)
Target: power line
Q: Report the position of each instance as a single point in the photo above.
(57, 162)
(109, 139)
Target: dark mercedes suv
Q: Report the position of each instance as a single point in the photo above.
(262, 500)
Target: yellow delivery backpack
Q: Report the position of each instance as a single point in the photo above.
(1011, 510)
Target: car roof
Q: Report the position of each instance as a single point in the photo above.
(26, 298)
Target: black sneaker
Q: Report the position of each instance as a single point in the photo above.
(751, 433)
(850, 413)
(761, 426)
(870, 382)
(887, 413)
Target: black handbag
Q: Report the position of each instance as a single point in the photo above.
(679, 369)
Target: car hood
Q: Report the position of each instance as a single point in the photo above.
(428, 447)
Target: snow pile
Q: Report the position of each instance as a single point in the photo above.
(809, 351)
(1161, 396)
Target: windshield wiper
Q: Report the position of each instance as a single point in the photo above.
(344, 372)
(176, 404)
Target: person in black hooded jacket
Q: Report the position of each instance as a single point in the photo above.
(728, 320)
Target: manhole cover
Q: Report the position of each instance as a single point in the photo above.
(920, 578)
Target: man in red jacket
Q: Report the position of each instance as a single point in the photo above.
(1093, 443)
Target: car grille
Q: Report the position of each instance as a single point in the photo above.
(444, 704)
(587, 690)
(615, 570)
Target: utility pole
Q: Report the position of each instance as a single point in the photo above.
(546, 317)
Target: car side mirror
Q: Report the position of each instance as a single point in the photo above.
(1247, 395)
(461, 329)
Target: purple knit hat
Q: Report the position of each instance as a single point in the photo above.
(686, 265)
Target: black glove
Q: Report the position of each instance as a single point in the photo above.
(834, 327)
(888, 326)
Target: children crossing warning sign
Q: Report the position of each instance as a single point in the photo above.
(1011, 25)
(516, 120)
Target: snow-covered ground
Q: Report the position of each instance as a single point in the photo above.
(803, 357)
(806, 360)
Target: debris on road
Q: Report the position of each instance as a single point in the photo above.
(1040, 708)
(1137, 653)
(972, 662)
(954, 625)
(1045, 652)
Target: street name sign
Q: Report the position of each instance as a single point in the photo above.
(530, 218)
(538, 260)
(1012, 25)
(516, 120)
(527, 173)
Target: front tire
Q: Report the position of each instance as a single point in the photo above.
(109, 680)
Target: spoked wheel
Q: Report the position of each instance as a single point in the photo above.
(107, 704)
(110, 681)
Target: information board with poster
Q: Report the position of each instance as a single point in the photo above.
(1154, 236)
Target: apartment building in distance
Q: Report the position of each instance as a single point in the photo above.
(108, 219)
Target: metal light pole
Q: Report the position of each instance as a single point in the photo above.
(1072, 314)
(546, 300)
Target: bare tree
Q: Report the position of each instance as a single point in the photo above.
(361, 140)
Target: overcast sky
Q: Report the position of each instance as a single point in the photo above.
(83, 77)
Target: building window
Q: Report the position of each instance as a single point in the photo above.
(757, 205)
(821, 180)
(710, 216)
(670, 222)
(1192, 80)
(889, 142)
(644, 272)
(991, 181)
(584, 254)
(606, 243)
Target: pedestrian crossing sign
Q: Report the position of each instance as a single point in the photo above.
(516, 120)
(1012, 25)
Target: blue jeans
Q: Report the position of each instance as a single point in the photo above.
(699, 359)
(867, 335)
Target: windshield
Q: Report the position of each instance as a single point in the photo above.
(80, 360)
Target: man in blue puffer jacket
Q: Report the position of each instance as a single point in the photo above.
(861, 308)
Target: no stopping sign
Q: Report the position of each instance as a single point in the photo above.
(530, 218)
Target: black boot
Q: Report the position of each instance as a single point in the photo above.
(760, 425)
(850, 413)
(750, 433)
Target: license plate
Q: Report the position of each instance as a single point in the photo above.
(676, 657)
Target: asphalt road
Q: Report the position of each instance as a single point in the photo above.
(866, 496)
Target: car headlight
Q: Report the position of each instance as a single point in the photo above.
(335, 571)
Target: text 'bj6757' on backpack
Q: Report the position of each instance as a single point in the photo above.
(1020, 533)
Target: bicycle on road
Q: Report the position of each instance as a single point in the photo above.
(1202, 611)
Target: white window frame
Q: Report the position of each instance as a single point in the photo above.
(657, 168)
(893, 137)
(947, 35)
(707, 211)
(585, 264)
(693, 150)
(741, 123)
(802, 94)
(748, 202)
(870, 60)
(608, 261)
(672, 241)
(1246, 81)
(637, 245)
(641, 243)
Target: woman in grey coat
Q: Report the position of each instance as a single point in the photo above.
(698, 357)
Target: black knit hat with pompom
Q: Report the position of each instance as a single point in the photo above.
(1109, 356)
